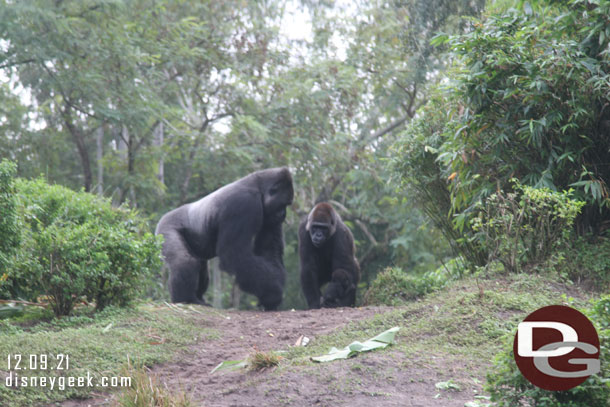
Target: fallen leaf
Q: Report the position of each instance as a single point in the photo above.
(378, 342)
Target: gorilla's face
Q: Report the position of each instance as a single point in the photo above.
(319, 234)
(321, 224)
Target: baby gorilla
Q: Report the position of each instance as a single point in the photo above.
(326, 251)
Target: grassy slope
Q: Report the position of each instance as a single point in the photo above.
(465, 323)
(468, 318)
(455, 332)
(101, 345)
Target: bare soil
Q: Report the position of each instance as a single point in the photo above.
(387, 377)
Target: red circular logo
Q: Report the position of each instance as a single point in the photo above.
(556, 348)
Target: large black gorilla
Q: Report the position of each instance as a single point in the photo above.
(241, 223)
(326, 250)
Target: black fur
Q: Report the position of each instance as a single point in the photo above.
(241, 223)
(326, 251)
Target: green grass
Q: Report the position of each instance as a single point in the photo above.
(466, 319)
(259, 361)
(464, 324)
(146, 391)
(100, 345)
(461, 328)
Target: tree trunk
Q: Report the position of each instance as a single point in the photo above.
(235, 295)
(99, 138)
(191, 161)
(79, 140)
(159, 136)
(187, 178)
(127, 145)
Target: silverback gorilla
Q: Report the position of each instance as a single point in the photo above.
(241, 223)
(326, 250)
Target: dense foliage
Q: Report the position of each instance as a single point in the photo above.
(527, 98)
(423, 178)
(76, 246)
(587, 260)
(531, 94)
(158, 103)
(525, 228)
(9, 229)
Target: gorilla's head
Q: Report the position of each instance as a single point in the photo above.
(277, 192)
(321, 223)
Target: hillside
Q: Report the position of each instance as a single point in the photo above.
(446, 339)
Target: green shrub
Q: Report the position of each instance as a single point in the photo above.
(524, 228)
(588, 259)
(77, 245)
(9, 230)
(508, 387)
(395, 287)
(425, 181)
(530, 87)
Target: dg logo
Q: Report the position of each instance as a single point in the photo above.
(556, 348)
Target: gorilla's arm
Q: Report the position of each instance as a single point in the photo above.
(343, 254)
(309, 269)
(310, 283)
(188, 269)
(269, 243)
(262, 275)
(341, 291)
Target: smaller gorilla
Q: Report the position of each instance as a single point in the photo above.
(326, 250)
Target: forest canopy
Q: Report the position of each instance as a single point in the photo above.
(407, 115)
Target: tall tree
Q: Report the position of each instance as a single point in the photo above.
(79, 60)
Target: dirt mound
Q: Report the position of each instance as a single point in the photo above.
(388, 378)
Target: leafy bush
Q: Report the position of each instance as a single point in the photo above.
(531, 90)
(9, 230)
(75, 244)
(395, 287)
(587, 259)
(425, 181)
(508, 387)
(523, 228)
(527, 99)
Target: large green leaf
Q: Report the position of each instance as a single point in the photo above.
(378, 342)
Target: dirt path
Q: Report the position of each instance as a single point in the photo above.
(385, 378)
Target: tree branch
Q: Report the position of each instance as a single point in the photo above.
(382, 132)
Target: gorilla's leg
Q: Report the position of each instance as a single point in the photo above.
(311, 285)
(204, 280)
(185, 270)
